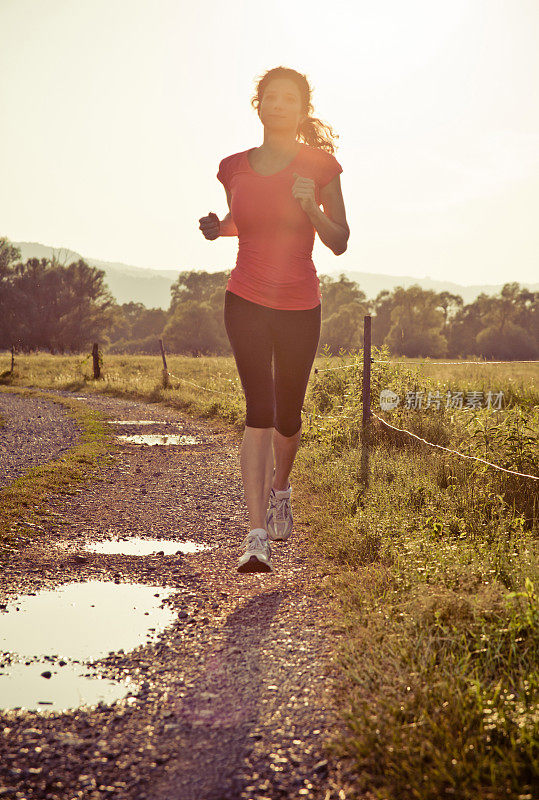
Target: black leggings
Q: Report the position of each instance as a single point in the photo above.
(257, 332)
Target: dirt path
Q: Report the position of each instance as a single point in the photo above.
(34, 432)
(237, 696)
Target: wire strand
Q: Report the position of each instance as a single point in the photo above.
(198, 386)
(434, 363)
(384, 422)
(456, 452)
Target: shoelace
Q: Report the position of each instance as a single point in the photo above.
(254, 541)
(280, 507)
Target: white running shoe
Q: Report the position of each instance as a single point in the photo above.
(257, 556)
(279, 519)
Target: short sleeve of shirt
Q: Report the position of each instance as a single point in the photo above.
(328, 168)
(223, 173)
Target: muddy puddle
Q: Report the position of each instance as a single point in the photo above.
(143, 546)
(152, 438)
(137, 422)
(157, 438)
(49, 639)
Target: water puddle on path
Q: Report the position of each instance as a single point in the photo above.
(158, 438)
(57, 632)
(142, 546)
(152, 438)
(137, 422)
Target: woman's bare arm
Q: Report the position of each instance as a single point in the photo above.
(227, 226)
(331, 224)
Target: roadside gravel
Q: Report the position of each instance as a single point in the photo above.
(34, 432)
(237, 695)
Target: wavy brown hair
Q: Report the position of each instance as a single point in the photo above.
(313, 131)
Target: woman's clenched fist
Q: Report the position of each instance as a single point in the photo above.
(303, 191)
(210, 226)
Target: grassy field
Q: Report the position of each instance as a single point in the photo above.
(431, 563)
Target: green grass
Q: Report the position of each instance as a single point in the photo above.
(432, 562)
(25, 500)
(429, 637)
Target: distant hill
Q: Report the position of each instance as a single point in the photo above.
(372, 283)
(152, 286)
(126, 283)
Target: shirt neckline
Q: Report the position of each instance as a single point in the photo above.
(273, 174)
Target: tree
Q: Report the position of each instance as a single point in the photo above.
(34, 298)
(502, 327)
(344, 328)
(193, 329)
(344, 305)
(516, 343)
(508, 333)
(196, 285)
(87, 310)
(416, 324)
(450, 304)
(133, 321)
(8, 254)
(381, 323)
(336, 294)
(464, 327)
(56, 308)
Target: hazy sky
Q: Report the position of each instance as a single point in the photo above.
(116, 113)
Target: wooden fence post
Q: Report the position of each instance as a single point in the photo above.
(366, 401)
(166, 378)
(95, 355)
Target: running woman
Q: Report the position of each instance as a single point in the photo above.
(272, 304)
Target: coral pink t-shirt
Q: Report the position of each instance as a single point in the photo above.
(274, 265)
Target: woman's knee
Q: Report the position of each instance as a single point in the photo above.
(259, 417)
(289, 426)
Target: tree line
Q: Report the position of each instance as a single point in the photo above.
(45, 305)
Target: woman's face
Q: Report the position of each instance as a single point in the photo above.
(280, 107)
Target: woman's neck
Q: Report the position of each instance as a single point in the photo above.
(275, 144)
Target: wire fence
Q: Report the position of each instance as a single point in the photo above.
(206, 388)
(412, 363)
(455, 452)
(394, 427)
(367, 411)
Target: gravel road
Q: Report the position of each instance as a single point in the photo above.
(34, 432)
(237, 698)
